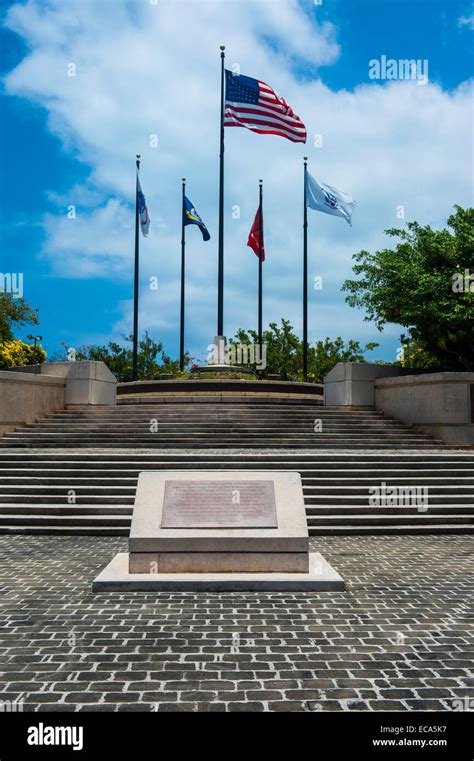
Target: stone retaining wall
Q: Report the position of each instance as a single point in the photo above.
(26, 397)
(440, 404)
(217, 390)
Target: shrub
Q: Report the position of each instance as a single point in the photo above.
(16, 353)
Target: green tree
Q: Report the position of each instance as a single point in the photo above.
(14, 312)
(328, 353)
(285, 352)
(152, 360)
(425, 284)
(281, 346)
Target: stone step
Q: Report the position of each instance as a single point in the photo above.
(363, 499)
(217, 412)
(406, 445)
(369, 455)
(225, 432)
(316, 511)
(126, 477)
(342, 530)
(122, 521)
(205, 429)
(180, 419)
(224, 420)
(400, 530)
(391, 520)
(204, 439)
(98, 452)
(47, 528)
(82, 464)
(25, 515)
(61, 498)
(360, 490)
(311, 492)
(281, 405)
(69, 510)
(196, 460)
(39, 490)
(449, 502)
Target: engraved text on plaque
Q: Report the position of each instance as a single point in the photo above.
(219, 504)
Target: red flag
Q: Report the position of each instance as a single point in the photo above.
(254, 236)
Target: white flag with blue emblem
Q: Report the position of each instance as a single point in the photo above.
(324, 198)
(142, 209)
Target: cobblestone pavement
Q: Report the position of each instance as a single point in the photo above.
(398, 639)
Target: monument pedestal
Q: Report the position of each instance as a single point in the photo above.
(116, 577)
(219, 530)
(220, 366)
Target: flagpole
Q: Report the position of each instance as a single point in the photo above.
(260, 268)
(135, 285)
(305, 278)
(183, 243)
(220, 276)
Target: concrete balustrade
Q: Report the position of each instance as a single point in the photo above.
(31, 392)
(439, 404)
(87, 382)
(351, 384)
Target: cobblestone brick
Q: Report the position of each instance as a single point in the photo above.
(398, 641)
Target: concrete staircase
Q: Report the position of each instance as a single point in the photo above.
(208, 425)
(76, 471)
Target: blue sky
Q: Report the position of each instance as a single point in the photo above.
(71, 141)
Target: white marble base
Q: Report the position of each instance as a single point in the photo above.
(116, 578)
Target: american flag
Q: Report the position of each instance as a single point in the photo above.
(255, 105)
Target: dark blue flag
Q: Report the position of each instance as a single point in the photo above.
(191, 217)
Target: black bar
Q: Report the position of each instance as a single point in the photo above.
(183, 243)
(305, 279)
(260, 267)
(220, 276)
(135, 285)
(341, 734)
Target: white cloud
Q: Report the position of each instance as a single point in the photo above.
(89, 245)
(143, 69)
(466, 21)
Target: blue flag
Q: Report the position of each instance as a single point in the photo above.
(329, 200)
(142, 209)
(191, 217)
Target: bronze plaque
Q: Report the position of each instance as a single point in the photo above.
(219, 504)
